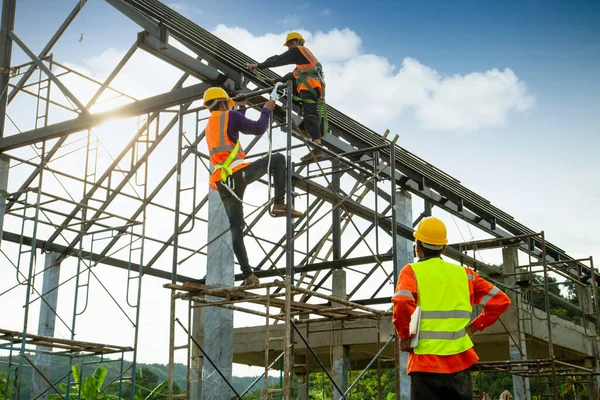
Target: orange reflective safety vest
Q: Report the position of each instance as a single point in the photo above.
(226, 156)
(308, 76)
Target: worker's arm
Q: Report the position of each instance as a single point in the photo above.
(287, 77)
(494, 301)
(239, 123)
(292, 56)
(404, 301)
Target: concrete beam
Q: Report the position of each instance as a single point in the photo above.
(47, 319)
(145, 106)
(341, 353)
(218, 326)
(198, 317)
(405, 255)
(514, 324)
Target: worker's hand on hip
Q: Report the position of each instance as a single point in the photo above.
(405, 345)
(471, 330)
(251, 67)
(270, 105)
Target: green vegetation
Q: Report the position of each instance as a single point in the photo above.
(150, 379)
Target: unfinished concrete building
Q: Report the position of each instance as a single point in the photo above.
(144, 209)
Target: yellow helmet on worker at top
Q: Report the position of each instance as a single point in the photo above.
(216, 93)
(292, 36)
(431, 230)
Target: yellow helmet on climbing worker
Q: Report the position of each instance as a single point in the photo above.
(294, 36)
(213, 95)
(432, 231)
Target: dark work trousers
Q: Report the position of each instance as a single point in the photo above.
(234, 208)
(428, 386)
(310, 115)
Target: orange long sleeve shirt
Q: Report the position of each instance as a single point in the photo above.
(494, 301)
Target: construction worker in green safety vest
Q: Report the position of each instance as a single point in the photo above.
(439, 364)
(308, 82)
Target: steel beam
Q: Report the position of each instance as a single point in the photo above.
(40, 64)
(46, 159)
(179, 59)
(145, 106)
(94, 257)
(6, 26)
(46, 50)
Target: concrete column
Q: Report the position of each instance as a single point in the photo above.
(304, 378)
(510, 260)
(4, 167)
(302, 386)
(585, 296)
(198, 318)
(405, 253)
(46, 324)
(218, 327)
(341, 353)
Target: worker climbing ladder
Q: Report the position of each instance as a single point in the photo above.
(283, 293)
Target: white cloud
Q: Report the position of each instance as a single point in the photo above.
(327, 12)
(370, 88)
(289, 20)
(178, 6)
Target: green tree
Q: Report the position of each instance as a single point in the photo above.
(6, 386)
(85, 388)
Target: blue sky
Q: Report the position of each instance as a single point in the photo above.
(552, 46)
(541, 165)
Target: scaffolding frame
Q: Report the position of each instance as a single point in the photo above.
(524, 288)
(235, 298)
(216, 63)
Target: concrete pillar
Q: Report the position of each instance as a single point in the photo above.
(303, 379)
(510, 260)
(218, 326)
(585, 296)
(341, 353)
(198, 317)
(46, 324)
(302, 391)
(405, 255)
(4, 167)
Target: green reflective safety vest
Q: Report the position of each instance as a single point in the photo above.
(443, 295)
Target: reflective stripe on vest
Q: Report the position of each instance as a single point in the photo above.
(307, 75)
(227, 157)
(444, 298)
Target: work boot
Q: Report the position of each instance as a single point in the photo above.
(251, 280)
(316, 155)
(279, 210)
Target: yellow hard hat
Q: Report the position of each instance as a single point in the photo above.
(431, 230)
(292, 36)
(215, 93)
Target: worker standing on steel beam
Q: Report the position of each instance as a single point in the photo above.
(233, 173)
(439, 364)
(308, 82)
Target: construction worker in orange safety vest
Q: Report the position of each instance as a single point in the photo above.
(309, 83)
(233, 173)
(439, 366)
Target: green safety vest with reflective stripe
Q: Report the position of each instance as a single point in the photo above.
(443, 295)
